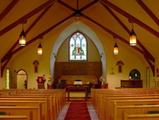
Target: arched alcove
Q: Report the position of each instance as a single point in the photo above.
(22, 79)
(77, 26)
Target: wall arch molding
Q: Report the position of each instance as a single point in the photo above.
(77, 26)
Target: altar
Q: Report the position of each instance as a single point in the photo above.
(86, 79)
(77, 86)
(85, 88)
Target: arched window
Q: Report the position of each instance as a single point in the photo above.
(135, 74)
(78, 47)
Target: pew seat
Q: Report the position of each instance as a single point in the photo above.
(141, 117)
(13, 117)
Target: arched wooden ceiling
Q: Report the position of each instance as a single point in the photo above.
(113, 16)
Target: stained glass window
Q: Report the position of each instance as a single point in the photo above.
(78, 47)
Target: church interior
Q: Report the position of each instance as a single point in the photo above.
(61, 60)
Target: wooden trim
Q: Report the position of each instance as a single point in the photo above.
(66, 5)
(3, 67)
(115, 16)
(120, 38)
(111, 32)
(37, 37)
(75, 10)
(146, 52)
(151, 65)
(88, 5)
(37, 19)
(27, 31)
(130, 17)
(148, 11)
(8, 9)
(25, 17)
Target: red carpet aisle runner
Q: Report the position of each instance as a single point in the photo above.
(77, 111)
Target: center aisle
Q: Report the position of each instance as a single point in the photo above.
(77, 111)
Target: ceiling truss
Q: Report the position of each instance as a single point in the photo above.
(131, 18)
(148, 56)
(78, 12)
(25, 17)
(148, 11)
(8, 9)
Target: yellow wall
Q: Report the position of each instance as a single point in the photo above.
(132, 59)
(93, 54)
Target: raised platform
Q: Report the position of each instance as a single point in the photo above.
(76, 89)
(84, 78)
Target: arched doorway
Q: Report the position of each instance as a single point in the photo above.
(21, 79)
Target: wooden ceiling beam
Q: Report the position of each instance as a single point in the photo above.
(37, 19)
(131, 18)
(27, 31)
(146, 52)
(111, 32)
(151, 65)
(148, 11)
(8, 9)
(117, 19)
(120, 38)
(25, 17)
(66, 5)
(43, 33)
(78, 10)
(88, 5)
(35, 38)
(3, 66)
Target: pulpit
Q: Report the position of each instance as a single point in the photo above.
(41, 81)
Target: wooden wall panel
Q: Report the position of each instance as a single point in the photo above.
(78, 68)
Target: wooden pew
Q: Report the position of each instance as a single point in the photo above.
(32, 112)
(103, 98)
(54, 100)
(13, 117)
(114, 103)
(142, 117)
(24, 102)
(133, 109)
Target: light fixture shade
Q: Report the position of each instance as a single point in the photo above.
(133, 38)
(116, 50)
(40, 49)
(22, 39)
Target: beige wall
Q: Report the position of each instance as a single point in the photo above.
(132, 59)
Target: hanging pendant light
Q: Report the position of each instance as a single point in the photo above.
(40, 49)
(116, 50)
(133, 38)
(22, 38)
